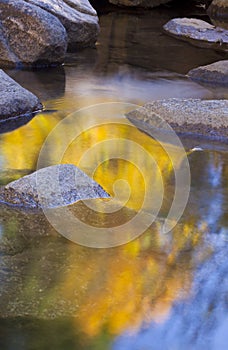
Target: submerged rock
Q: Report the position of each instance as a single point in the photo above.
(215, 73)
(218, 12)
(198, 33)
(139, 3)
(192, 116)
(29, 35)
(51, 187)
(78, 17)
(15, 100)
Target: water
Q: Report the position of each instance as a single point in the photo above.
(160, 291)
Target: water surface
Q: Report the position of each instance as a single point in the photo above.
(160, 291)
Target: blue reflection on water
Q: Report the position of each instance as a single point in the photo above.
(201, 322)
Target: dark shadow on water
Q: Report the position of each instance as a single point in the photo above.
(11, 124)
(137, 39)
(37, 334)
(44, 83)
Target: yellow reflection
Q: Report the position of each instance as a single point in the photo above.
(20, 148)
(139, 161)
(126, 286)
(132, 285)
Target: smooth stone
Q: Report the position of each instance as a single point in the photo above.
(198, 33)
(218, 12)
(78, 17)
(215, 73)
(30, 36)
(51, 187)
(15, 100)
(208, 118)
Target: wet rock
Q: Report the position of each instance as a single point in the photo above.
(190, 116)
(15, 100)
(78, 17)
(52, 187)
(30, 35)
(215, 73)
(218, 12)
(198, 33)
(139, 3)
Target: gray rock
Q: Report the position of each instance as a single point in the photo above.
(215, 73)
(218, 12)
(51, 187)
(139, 3)
(30, 35)
(198, 33)
(78, 17)
(15, 100)
(192, 116)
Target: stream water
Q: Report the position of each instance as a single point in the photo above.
(160, 291)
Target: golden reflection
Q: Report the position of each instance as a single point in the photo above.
(117, 288)
(134, 284)
(110, 289)
(103, 289)
(92, 151)
(20, 148)
(107, 289)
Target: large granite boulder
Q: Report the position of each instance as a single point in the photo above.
(218, 12)
(52, 187)
(208, 118)
(78, 17)
(15, 100)
(215, 73)
(198, 33)
(139, 3)
(30, 35)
